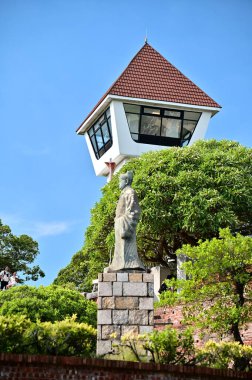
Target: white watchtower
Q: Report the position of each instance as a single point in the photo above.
(151, 106)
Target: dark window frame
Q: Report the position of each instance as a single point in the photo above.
(159, 139)
(93, 132)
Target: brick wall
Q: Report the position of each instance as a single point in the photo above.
(172, 316)
(30, 367)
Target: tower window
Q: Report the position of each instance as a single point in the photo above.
(100, 134)
(160, 126)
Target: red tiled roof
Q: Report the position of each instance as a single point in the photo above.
(150, 76)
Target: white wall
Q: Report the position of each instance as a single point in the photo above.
(124, 146)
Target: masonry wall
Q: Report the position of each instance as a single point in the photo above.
(172, 316)
(125, 305)
(30, 367)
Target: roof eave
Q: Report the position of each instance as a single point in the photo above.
(107, 100)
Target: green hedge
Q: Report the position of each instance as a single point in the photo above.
(48, 304)
(18, 334)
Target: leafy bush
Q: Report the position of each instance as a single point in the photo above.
(68, 337)
(13, 333)
(171, 347)
(225, 355)
(48, 304)
(166, 347)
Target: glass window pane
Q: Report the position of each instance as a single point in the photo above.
(96, 126)
(99, 139)
(133, 121)
(185, 143)
(192, 115)
(188, 126)
(153, 111)
(108, 113)
(132, 108)
(150, 125)
(101, 120)
(172, 113)
(171, 128)
(105, 133)
(94, 143)
(90, 131)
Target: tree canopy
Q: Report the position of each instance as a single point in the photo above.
(185, 194)
(218, 291)
(18, 252)
(47, 304)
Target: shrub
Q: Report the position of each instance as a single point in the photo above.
(225, 355)
(47, 303)
(68, 337)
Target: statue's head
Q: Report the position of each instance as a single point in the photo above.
(125, 179)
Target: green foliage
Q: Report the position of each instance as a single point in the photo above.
(186, 194)
(170, 347)
(13, 333)
(50, 303)
(218, 293)
(17, 252)
(225, 355)
(165, 347)
(67, 337)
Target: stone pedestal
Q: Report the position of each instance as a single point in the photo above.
(125, 305)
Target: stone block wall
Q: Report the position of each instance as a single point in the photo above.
(125, 305)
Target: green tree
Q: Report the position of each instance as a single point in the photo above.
(217, 295)
(18, 252)
(186, 194)
(50, 303)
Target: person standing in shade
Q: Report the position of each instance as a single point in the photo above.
(13, 281)
(5, 278)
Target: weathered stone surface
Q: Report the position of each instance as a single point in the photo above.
(109, 277)
(120, 317)
(148, 277)
(138, 317)
(135, 277)
(99, 332)
(150, 289)
(146, 303)
(108, 302)
(100, 277)
(99, 302)
(117, 288)
(145, 329)
(107, 330)
(122, 277)
(130, 330)
(104, 317)
(104, 289)
(134, 289)
(126, 302)
(103, 347)
(151, 317)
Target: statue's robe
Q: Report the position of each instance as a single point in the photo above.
(127, 216)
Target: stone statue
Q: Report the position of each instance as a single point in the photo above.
(127, 215)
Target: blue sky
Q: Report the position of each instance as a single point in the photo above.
(59, 57)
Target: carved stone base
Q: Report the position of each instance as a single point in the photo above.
(125, 305)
